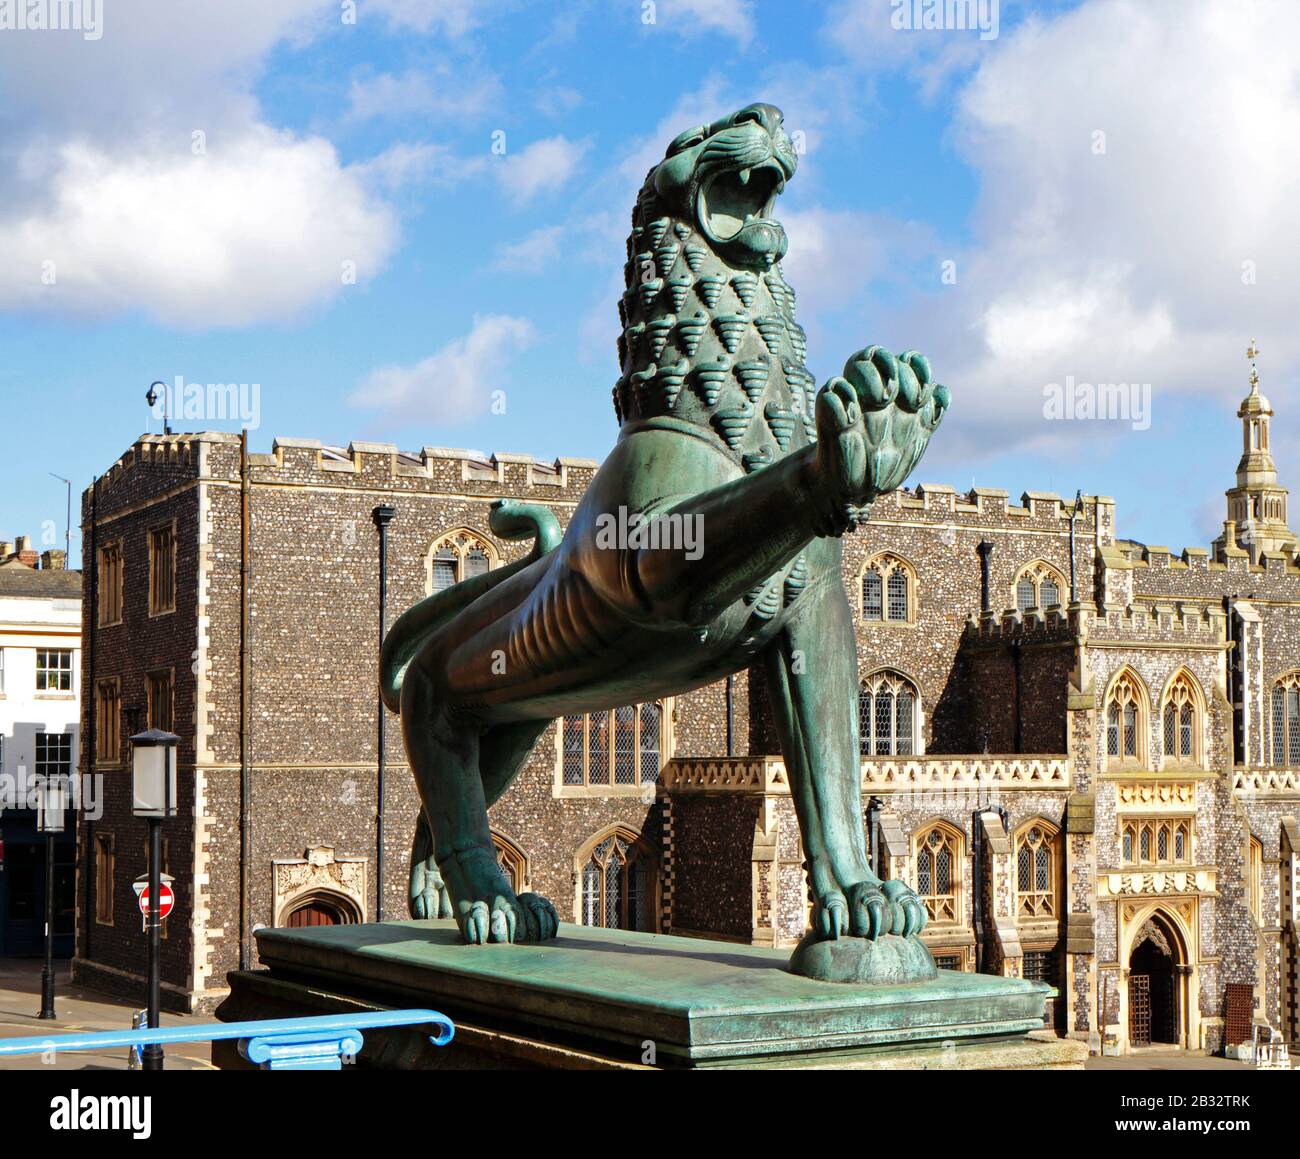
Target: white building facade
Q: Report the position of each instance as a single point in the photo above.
(40, 667)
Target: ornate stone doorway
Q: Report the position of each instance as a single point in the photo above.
(1155, 989)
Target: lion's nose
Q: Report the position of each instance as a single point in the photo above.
(769, 116)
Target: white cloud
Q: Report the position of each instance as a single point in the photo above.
(1122, 265)
(436, 91)
(734, 18)
(534, 253)
(542, 167)
(455, 18)
(100, 173)
(173, 234)
(455, 383)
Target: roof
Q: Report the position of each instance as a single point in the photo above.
(28, 583)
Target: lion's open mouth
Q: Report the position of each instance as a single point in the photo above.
(733, 200)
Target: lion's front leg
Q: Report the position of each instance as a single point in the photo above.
(814, 700)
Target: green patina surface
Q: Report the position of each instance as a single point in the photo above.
(722, 431)
(696, 1000)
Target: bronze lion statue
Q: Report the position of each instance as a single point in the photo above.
(721, 425)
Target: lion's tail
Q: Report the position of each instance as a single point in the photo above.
(406, 639)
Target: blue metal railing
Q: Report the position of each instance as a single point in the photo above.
(275, 1044)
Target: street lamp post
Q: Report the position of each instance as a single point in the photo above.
(153, 790)
(152, 396)
(50, 819)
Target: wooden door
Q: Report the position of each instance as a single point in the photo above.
(314, 913)
(1139, 1009)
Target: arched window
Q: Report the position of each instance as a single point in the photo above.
(621, 747)
(887, 715)
(939, 853)
(1039, 585)
(512, 861)
(1286, 721)
(616, 877)
(1038, 855)
(459, 555)
(888, 590)
(1126, 718)
(1157, 841)
(1182, 718)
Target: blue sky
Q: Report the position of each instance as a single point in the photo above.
(1112, 182)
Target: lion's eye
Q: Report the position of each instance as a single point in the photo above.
(688, 140)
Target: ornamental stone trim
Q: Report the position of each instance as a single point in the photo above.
(1281, 781)
(1155, 883)
(768, 774)
(1140, 796)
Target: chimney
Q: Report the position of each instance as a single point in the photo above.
(6, 549)
(54, 560)
(25, 553)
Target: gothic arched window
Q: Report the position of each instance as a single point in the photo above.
(888, 590)
(1286, 721)
(940, 851)
(1039, 585)
(1126, 718)
(887, 715)
(512, 861)
(1181, 719)
(617, 882)
(457, 556)
(1038, 853)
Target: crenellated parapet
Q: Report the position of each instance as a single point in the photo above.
(1171, 622)
(1030, 625)
(988, 507)
(157, 463)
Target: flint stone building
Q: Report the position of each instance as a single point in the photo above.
(1083, 752)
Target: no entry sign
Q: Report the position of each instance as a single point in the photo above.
(166, 897)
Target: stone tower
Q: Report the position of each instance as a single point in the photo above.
(1257, 519)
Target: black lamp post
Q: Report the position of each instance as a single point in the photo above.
(50, 818)
(152, 396)
(383, 516)
(153, 796)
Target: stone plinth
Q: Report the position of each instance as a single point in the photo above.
(609, 998)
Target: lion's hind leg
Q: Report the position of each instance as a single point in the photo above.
(460, 766)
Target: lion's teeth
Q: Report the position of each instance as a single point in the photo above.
(744, 176)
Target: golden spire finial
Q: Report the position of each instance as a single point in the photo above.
(1252, 353)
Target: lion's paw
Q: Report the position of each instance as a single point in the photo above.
(869, 915)
(908, 915)
(831, 915)
(428, 897)
(543, 921)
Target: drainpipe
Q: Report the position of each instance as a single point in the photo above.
(383, 516)
(1017, 657)
(875, 806)
(90, 743)
(985, 549)
(245, 700)
(731, 717)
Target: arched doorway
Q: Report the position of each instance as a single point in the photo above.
(1155, 985)
(321, 908)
